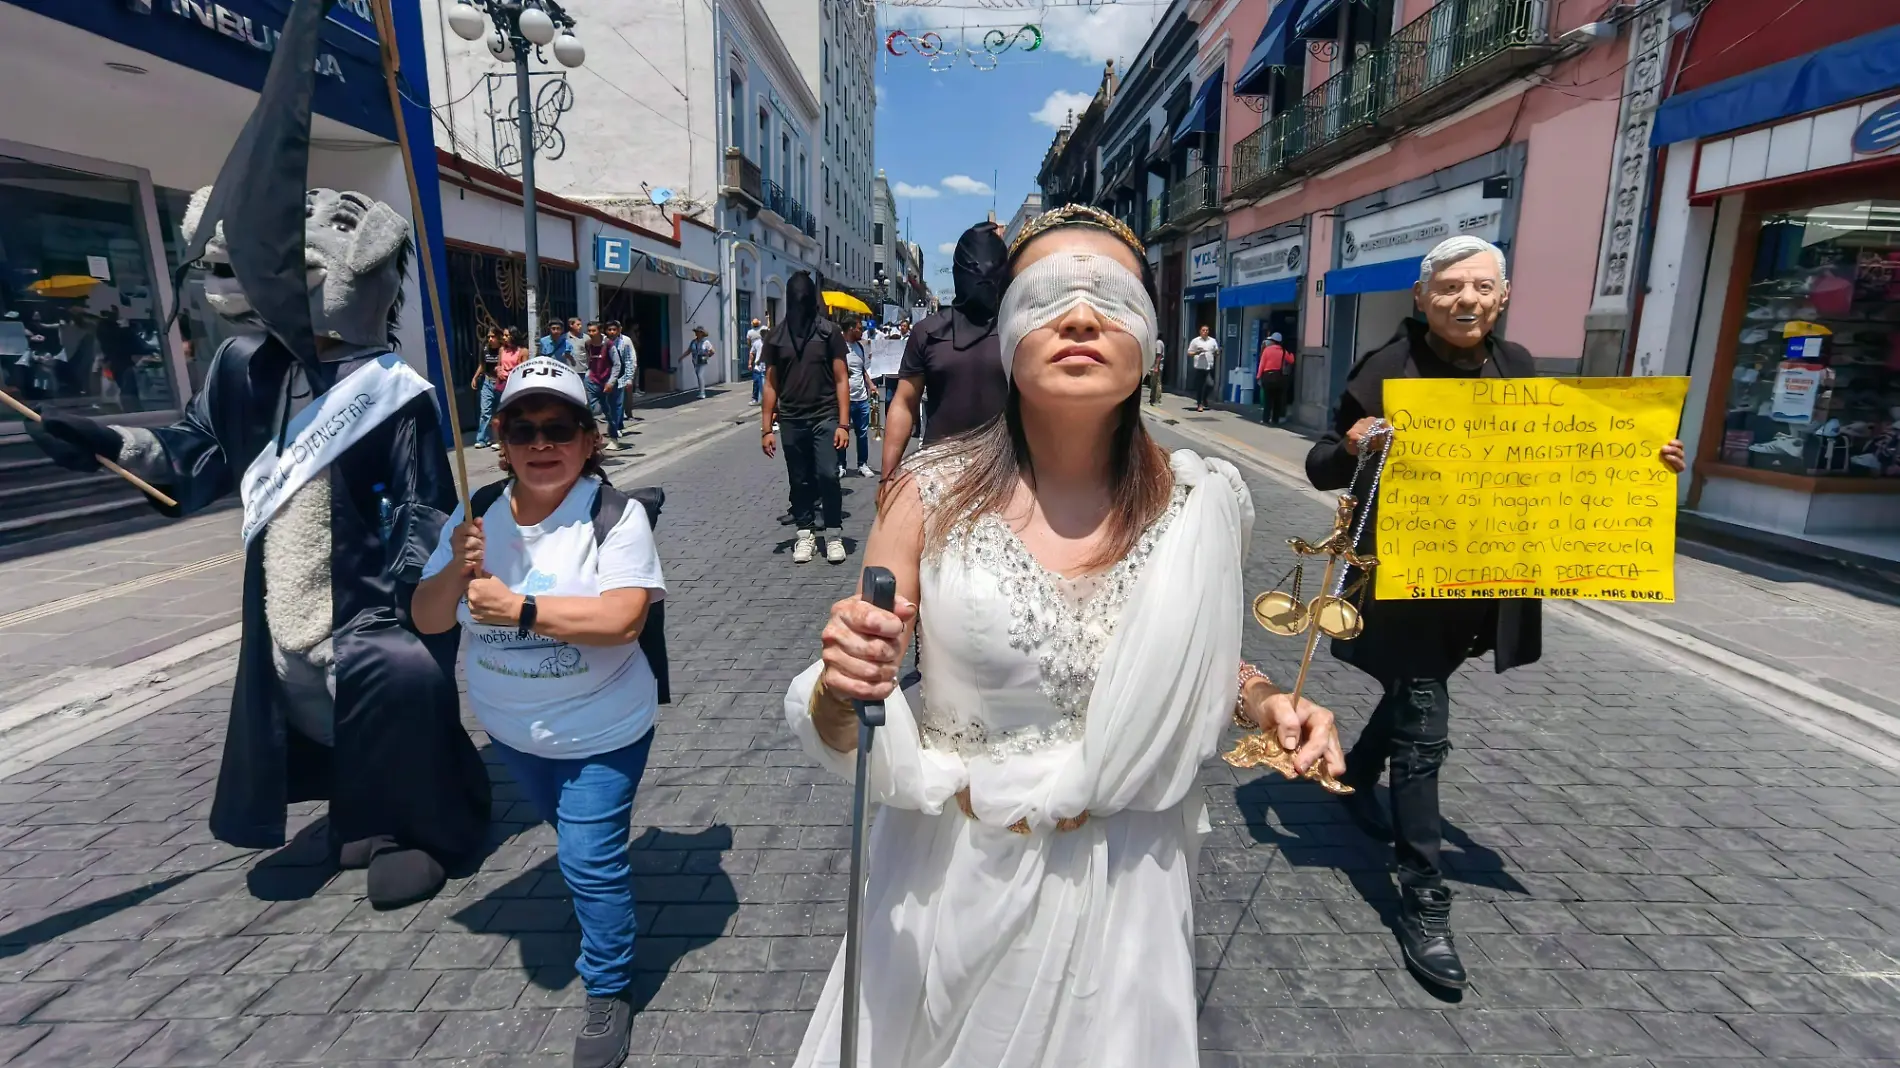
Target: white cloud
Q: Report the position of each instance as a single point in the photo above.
(915, 192)
(1060, 106)
(1098, 34)
(948, 248)
(878, 91)
(964, 185)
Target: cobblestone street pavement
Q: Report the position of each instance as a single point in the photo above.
(1649, 872)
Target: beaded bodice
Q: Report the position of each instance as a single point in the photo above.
(1011, 649)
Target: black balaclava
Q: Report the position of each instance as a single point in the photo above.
(981, 270)
(801, 308)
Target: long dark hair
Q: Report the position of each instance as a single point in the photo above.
(997, 457)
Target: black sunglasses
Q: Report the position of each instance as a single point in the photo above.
(522, 433)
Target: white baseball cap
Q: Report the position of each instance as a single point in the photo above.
(544, 376)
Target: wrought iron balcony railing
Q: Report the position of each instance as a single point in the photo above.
(1460, 49)
(1196, 195)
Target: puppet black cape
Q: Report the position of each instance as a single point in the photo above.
(402, 764)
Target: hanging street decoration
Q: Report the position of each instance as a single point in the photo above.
(941, 57)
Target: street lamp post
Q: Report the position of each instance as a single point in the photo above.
(512, 28)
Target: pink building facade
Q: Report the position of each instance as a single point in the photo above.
(1359, 133)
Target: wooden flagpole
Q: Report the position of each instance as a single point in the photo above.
(150, 490)
(392, 63)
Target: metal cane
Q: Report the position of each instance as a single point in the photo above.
(880, 589)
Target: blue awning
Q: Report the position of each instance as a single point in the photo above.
(1861, 66)
(1203, 116)
(1319, 22)
(1278, 291)
(1193, 294)
(1388, 277)
(1270, 51)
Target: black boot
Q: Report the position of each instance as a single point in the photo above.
(399, 877)
(1424, 930)
(1366, 812)
(602, 1040)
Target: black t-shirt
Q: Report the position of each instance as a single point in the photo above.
(807, 390)
(963, 388)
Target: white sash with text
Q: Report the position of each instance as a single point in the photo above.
(325, 431)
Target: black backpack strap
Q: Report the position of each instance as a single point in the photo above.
(484, 498)
(609, 506)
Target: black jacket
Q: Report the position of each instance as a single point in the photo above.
(1428, 638)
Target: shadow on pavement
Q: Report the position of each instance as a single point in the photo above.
(58, 925)
(683, 901)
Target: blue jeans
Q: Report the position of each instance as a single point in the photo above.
(484, 435)
(861, 426)
(614, 401)
(590, 802)
(758, 385)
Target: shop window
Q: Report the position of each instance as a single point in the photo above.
(1815, 388)
(80, 314)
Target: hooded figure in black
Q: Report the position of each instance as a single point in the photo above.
(951, 360)
(335, 448)
(808, 394)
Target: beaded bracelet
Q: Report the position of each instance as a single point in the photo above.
(1248, 673)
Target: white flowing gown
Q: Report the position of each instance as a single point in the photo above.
(1047, 699)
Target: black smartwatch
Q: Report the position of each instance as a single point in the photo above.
(526, 625)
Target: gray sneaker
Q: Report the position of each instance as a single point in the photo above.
(602, 1040)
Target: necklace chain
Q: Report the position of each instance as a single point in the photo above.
(1382, 431)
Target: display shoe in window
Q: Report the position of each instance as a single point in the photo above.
(1754, 335)
(1763, 312)
(1786, 444)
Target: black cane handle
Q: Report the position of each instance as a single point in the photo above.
(880, 590)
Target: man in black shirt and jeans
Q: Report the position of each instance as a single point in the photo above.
(807, 393)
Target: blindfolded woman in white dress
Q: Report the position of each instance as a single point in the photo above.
(1029, 902)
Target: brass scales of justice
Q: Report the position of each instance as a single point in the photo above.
(1335, 612)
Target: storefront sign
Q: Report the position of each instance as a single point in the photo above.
(1204, 265)
(1268, 263)
(1412, 229)
(228, 22)
(1798, 147)
(1796, 388)
(1879, 131)
(616, 255)
(1543, 487)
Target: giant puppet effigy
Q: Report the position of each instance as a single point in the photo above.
(333, 445)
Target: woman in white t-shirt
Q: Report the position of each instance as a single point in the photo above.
(551, 623)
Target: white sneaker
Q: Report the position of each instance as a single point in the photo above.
(864, 471)
(1785, 444)
(834, 549)
(805, 548)
(1763, 313)
(840, 470)
(1867, 460)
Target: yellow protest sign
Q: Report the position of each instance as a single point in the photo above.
(1534, 487)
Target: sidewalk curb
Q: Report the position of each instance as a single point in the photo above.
(1860, 729)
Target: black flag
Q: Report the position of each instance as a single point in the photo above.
(259, 194)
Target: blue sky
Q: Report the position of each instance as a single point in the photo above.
(949, 141)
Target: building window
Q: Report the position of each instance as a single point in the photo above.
(1815, 365)
(877, 235)
(736, 89)
(765, 141)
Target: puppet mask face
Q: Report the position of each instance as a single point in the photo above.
(356, 252)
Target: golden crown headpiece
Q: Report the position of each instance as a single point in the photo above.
(1077, 215)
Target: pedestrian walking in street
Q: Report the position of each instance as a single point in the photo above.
(552, 613)
(861, 390)
(1413, 647)
(626, 366)
(1084, 627)
(559, 344)
(604, 373)
(1154, 373)
(808, 405)
(755, 364)
(487, 372)
(1203, 354)
(951, 363)
(699, 353)
(1273, 379)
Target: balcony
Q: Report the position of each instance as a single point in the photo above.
(1441, 61)
(1196, 197)
(1335, 120)
(776, 200)
(742, 179)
